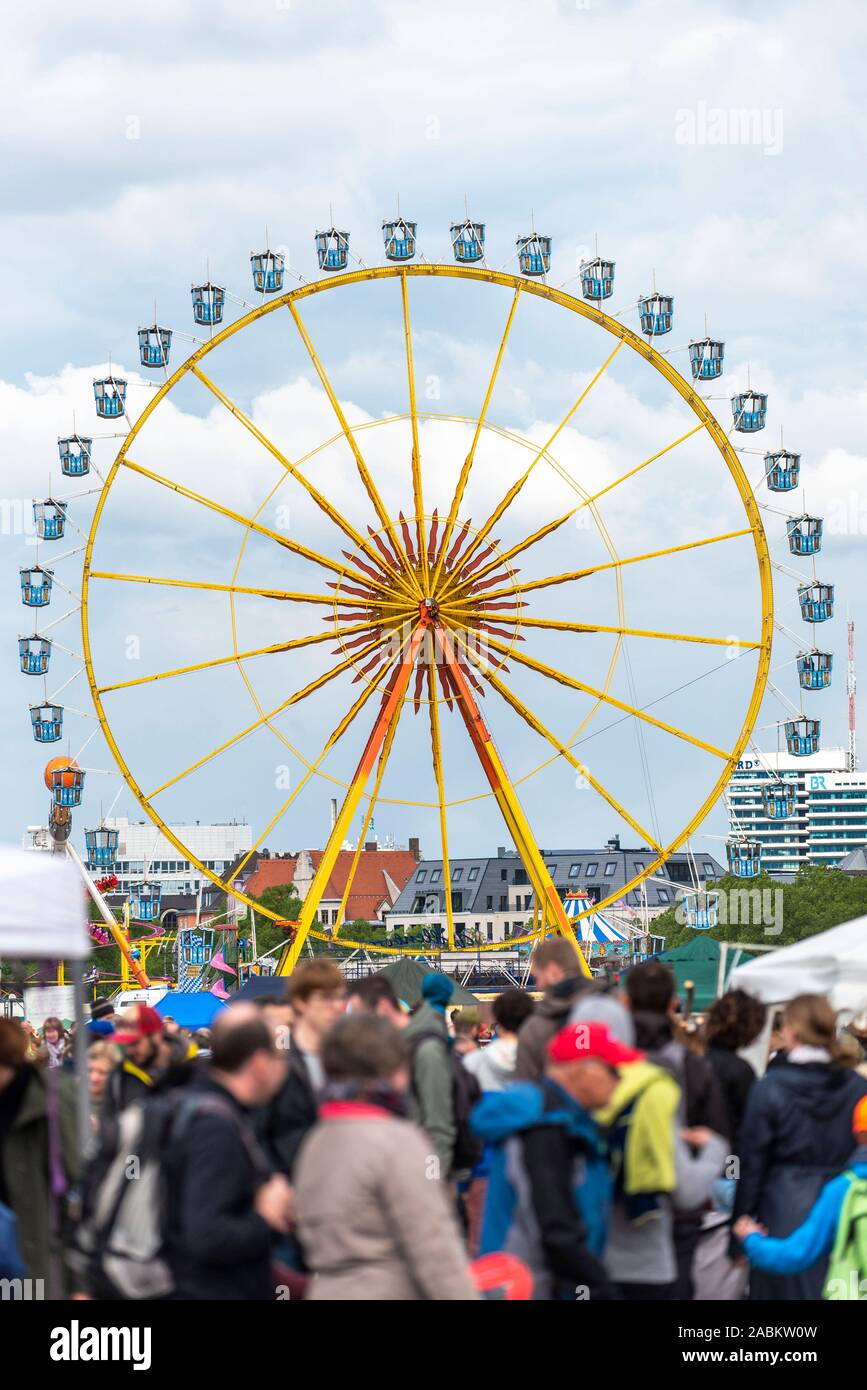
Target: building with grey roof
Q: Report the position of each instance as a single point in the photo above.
(493, 897)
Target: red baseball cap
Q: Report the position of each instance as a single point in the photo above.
(141, 1021)
(581, 1041)
(859, 1116)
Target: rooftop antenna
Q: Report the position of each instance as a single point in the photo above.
(852, 758)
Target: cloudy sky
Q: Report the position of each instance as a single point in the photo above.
(718, 147)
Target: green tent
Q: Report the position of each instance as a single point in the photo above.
(699, 961)
(406, 975)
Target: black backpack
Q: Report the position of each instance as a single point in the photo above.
(466, 1092)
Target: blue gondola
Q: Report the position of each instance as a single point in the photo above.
(778, 800)
(706, 359)
(49, 518)
(75, 455)
(817, 601)
(782, 470)
(802, 736)
(332, 249)
(468, 240)
(814, 669)
(269, 268)
(145, 901)
(208, 302)
(110, 396)
(399, 239)
(750, 411)
(34, 654)
(655, 313)
(101, 847)
(47, 721)
(36, 586)
(597, 278)
(154, 346)
(534, 254)
(744, 858)
(67, 785)
(805, 534)
(701, 910)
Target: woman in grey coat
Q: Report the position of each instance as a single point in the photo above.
(373, 1221)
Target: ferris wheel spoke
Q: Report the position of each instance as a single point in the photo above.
(503, 559)
(247, 521)
(392, 697)
(363, 471)
(417, 487)
(463, 478)
(562, 679)
(587, 501)
(437, 756)
(559, 626)
(312, 768)
(292, 645)
(316, 496)
(505, 795)
(368, 816)
(516, 487)
(572, 575)
(283, 594)
(536, 724)
(264, 719)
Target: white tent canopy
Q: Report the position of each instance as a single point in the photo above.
(42, 911)
(833, 963)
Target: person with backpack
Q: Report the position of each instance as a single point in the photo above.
(372, 1224)
(549, 1185)
(197, 1212)
(796, 1135)
(835, 1226)
(433, 1072)
(139, 1033)
(39, 1160)
(651, 996)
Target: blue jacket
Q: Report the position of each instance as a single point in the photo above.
(549, 1189)
(814, 1238)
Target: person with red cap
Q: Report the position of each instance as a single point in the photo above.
(549, 1189)
(139, 1031)
(835, 1225)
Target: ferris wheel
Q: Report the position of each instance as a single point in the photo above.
(448, 601)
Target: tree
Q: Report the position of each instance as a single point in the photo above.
(766, 911)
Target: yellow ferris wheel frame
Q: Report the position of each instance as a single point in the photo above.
(547, 899)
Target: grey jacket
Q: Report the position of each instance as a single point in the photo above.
(372, 1224)
(549, 1016)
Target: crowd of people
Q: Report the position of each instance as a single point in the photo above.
(327, 1142)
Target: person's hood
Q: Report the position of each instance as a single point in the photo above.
(558, 1000)
(600, 1006)
(858, 1161)
(426, 1020)
(494, 1062)
(814, 1088)
(635, 1078)
(525, 1105)
(652, 1031)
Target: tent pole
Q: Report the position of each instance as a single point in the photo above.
(82, 1090)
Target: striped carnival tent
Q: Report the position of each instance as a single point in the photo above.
(595, 929)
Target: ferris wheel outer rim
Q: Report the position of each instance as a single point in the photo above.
(585, 310)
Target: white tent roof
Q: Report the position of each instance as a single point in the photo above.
(42, 912)
(595, 927)
(833, 963)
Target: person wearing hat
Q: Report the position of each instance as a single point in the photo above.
(139, 1032)
(549, 1185)
(102, 1008)
(832, 1226)
(432, 1102)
